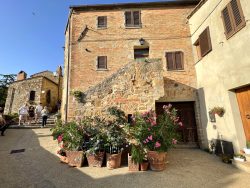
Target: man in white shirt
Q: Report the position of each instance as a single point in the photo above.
(38, 111)
(23, 113)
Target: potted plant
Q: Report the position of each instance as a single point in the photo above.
(62, 156)
(220, 111)
(94, 142)
(157, 136)
(115, 137)
(247, 148)
(70, 136)
(239, 157)
(135, 158)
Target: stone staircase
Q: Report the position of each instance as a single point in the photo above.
(245, 166)
(33, 125)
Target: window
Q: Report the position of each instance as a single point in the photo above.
(102, 22)
(32, 95)
(174, 60)
(132, 18)
(141, 53)
(102, 62)
(233, 18)
(203, 44)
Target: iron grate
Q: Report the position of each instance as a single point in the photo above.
(17, 151)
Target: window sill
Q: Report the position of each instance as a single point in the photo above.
(133, 27)
(102, 69)
(101, 28)
(181, 70)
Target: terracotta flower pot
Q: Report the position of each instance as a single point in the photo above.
(63, 159)
(157, 160)
(144, 166)
(113, 160)
(95, 160)
(132, 166)
(75, 158)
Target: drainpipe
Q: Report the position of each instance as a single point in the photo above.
(67, 88)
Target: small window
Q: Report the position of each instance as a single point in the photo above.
(102, 22)
(32, 95)
(174, 60)
(141, 53)
(132, 18)
(102, 62)
(203, 44)
(233, 18)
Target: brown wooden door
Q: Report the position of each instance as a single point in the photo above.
(186, 113)
(243, 97)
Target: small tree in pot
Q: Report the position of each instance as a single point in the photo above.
(115, 137)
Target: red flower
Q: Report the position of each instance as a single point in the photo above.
(157, 144)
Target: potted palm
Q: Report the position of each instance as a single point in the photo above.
(158, 136)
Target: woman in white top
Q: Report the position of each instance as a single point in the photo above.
(45, 114)
(23, 113)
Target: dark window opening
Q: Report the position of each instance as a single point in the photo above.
(32, 95)
(175, 60)
(102, 21)
(132, 18)
(102, 62)
(48, 97)
(130, 119)
(141, 53)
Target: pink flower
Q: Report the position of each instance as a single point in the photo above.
(147, 140)
(144, 142)
(153, 123)
(157, 144)
(174, 141)
(180, 124)
(149, 129)
(59, 138)
(150, 137)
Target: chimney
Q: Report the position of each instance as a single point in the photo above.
(21, 76)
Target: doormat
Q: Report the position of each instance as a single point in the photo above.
(17, 151)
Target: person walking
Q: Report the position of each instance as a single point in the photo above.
(23, 114)
(38, 111)
(3, 125)
(31, 112)
(44, 114)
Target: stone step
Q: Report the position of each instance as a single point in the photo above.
(244, 166)
(192, 145)
(35, 126)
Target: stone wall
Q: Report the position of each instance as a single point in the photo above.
(134, 88)
(47, 74)
(19, 93)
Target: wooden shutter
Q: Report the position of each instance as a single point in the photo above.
(233, 18)
(102, 62)
(128, 18)
(102, 21)
(179, 60)
(205, 42)
(228, 22)
(136, 18)
(170, 60)
(237, 14)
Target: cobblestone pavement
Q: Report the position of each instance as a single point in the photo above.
(39, 167)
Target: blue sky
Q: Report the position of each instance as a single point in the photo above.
(32, 33)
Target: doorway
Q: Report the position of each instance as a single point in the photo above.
(185, 111)
(243, 97)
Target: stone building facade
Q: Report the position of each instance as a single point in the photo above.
(43, 87)
(109, 47)
(223, 78)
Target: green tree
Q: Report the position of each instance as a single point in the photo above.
(5, 81)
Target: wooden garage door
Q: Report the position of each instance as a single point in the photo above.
(187, 116)
(243, 97)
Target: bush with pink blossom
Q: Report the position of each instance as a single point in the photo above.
(156, 134)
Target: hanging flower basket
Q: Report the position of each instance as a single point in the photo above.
(220, 111)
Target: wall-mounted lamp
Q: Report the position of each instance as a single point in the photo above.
(142, 41)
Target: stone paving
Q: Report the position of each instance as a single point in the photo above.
(39, 167)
